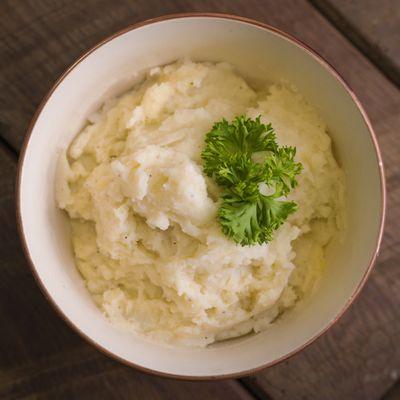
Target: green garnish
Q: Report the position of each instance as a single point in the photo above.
(246, 215)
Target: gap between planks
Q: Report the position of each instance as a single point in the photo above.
(349, 29)
(393, 392)
(8, 148)
(252, 387)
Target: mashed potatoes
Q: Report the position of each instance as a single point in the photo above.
(143, 214)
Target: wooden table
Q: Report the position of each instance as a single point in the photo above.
(41, 358)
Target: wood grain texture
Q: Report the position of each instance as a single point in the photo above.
(41, 358)
(357, 359)
(373, 26)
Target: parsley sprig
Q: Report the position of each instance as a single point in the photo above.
(246, 215)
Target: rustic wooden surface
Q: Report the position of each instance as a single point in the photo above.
(41, 358)
(373, 26)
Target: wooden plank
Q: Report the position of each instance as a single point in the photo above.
(41, 357)
(372, 26)
(357, 358)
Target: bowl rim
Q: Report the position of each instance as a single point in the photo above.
(311, 52)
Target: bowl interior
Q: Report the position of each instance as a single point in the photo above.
(260, 54)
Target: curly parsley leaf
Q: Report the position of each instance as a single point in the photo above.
(246, 215)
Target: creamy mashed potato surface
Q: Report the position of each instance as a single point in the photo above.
(143, 214)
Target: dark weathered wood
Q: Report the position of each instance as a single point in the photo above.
(357, 359)
(373, 26)
(41, 357)
(393, 393)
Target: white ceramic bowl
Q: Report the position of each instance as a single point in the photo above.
(259, 52)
